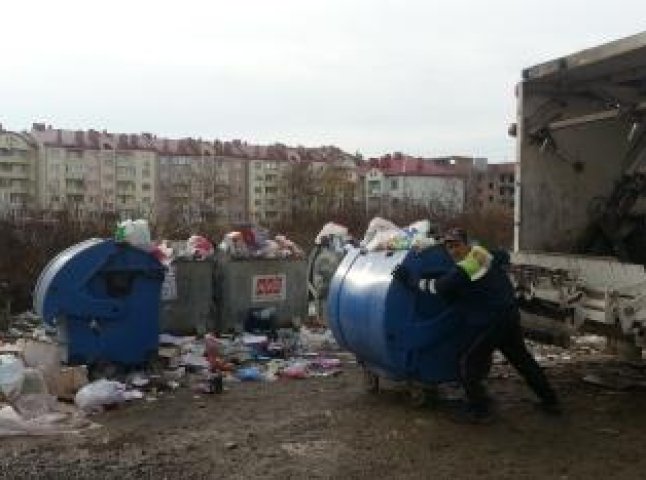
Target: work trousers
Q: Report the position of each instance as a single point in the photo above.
(504, 334)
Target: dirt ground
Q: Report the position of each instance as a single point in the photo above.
(331, 428)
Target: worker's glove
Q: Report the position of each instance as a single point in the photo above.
(402, 274)
(476, 263)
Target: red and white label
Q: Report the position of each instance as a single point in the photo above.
(267, 288)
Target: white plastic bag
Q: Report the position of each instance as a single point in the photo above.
(136, 233)
(375, 226)
(333, 229)
(12, 376)
(388, 239)
(95, 395)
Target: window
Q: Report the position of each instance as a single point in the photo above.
(490, 199)
(257, 190)
(394, 184)
(490, 185)
(145, 187)
(374, 186)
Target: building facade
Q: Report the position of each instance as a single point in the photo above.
(18, 175)
(90, 173)
(87, 173)
(395, 182)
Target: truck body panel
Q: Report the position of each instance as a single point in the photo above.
(580, 210)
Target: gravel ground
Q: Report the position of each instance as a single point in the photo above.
(331, 428)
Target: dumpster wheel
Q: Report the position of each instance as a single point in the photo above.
(370, 381)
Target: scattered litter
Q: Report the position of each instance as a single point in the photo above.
(100, 393)
(248, 374)
(138, 379)
(129, 395)
(33, 405)
(168, 339)
(297, 370)
(13, 424)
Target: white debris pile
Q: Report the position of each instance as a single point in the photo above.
(31, 382)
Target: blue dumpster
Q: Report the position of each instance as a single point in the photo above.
(103, 297)
(393, 332)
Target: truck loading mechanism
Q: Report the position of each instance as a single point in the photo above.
(580, 219)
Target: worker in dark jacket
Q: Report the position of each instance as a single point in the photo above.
(481, 293)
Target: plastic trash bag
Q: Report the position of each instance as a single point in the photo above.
(375, 226)
(12, 376)
(94, 396)
(331, 229)
(136, 233)
(163, 253)
(199, 247)
(12, 423)
(249, 374)
(312, 341)
(34, 405)
(297, 370)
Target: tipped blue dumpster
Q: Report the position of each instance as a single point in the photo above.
(393, 332)
(103, 297)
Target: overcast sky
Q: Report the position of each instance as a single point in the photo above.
(420, 76)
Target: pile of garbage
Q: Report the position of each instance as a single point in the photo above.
(32, 383)
(41, 396)
(137, 234)
(254, 242)
(207, 364)
(382, 234)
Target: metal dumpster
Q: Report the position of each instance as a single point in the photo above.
(394, 332)
(247, 289)
(103, 298)
(187, 298)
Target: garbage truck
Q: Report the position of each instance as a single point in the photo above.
(580, 207)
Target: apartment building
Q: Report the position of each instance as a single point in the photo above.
(91, 172)
(397, 181)
(18, 160)
(269, 198)
(199, 183)
(191, 180)
(493, 187)
(488, 186)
